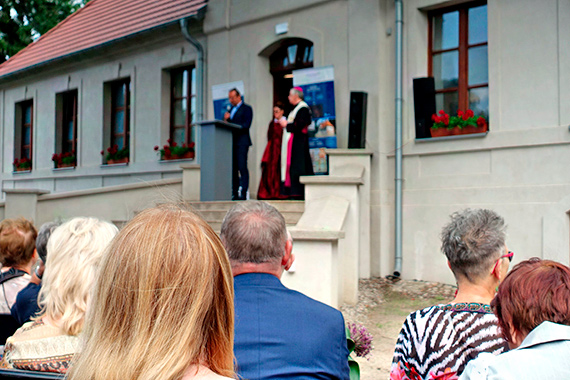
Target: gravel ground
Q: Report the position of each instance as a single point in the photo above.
(382, 307)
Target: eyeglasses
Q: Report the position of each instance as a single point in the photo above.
(508, 255)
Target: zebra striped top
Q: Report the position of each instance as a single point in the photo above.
(447, 336)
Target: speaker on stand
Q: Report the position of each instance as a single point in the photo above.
(357, 120)
(424, 105)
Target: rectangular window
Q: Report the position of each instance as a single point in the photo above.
(458, 59)
(23, 136)
(66, 129)
(183, 104)
(120, 112)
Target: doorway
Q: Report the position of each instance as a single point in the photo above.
(290, 54)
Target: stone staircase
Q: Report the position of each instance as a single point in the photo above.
(214, 212)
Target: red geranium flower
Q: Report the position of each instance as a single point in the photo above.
(481, 121)
(156, 147)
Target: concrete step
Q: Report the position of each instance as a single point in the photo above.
(291, 217)
(214, 212)
(282, 206)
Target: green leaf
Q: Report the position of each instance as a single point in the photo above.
(350, 344)
(354, 369)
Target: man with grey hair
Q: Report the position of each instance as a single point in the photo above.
(279, 333)
(26, 305)
(297, 160)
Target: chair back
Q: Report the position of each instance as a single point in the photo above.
(8, 326)
(27, 375)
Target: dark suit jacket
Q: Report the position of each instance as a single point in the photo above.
(243, 117)
(283, 334)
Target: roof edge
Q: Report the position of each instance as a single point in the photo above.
(198, 16)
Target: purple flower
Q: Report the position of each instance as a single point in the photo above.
(362, 339)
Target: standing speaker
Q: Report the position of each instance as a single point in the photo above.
(424, 105)
(357, 120)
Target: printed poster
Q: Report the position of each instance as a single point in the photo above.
(318, 87)
(220, 97)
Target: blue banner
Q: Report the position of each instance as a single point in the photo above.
(318, 88)
(220, 97)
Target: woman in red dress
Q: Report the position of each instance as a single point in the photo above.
(270, 184)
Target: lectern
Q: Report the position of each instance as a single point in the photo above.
(216, 155)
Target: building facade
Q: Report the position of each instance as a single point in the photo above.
(505, 59)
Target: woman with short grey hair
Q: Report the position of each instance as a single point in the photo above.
(444, 338)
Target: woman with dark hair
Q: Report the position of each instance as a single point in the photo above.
(270, 184)
(533, 308)
(440, 340)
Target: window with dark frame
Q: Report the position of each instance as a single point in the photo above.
(66, 129)
(458, 59)
(120, 113)
(24, 134)
(69, 122)
(182, 104)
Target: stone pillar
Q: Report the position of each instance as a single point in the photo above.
(315, 271)
(338, 159)
(191, 182)
(343, 185)
(22, 203)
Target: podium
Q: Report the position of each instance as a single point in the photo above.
(216, 156)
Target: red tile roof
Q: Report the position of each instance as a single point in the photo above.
(97, 23)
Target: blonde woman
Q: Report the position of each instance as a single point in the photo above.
(163, 304)
(48, 343)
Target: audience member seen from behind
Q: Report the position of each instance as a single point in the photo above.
(280, 333)
(449, 336)
(26, 305)
(533, 309)
(17, 256)
(163, 304)
(74, 252)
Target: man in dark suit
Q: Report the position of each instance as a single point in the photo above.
(279, 333)
(241, 114)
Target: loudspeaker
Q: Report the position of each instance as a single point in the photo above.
(357, 120)
(424, 105)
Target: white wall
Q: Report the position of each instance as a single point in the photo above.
(144, 62)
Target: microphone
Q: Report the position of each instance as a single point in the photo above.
(229, 108)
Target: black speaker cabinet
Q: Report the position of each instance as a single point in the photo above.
(357, 120)
(424, 105)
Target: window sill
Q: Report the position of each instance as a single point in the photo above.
(63, 169)
(21, 171)
(455, 137)
(178, 160)
(114, 165)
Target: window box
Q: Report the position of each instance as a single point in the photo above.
(124, 160)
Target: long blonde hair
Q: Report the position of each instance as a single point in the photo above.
(75, 250)
(163, 302)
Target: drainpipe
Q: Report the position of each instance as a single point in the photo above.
(398, 178)
(199, 69)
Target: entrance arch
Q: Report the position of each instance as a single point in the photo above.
(285, 56)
